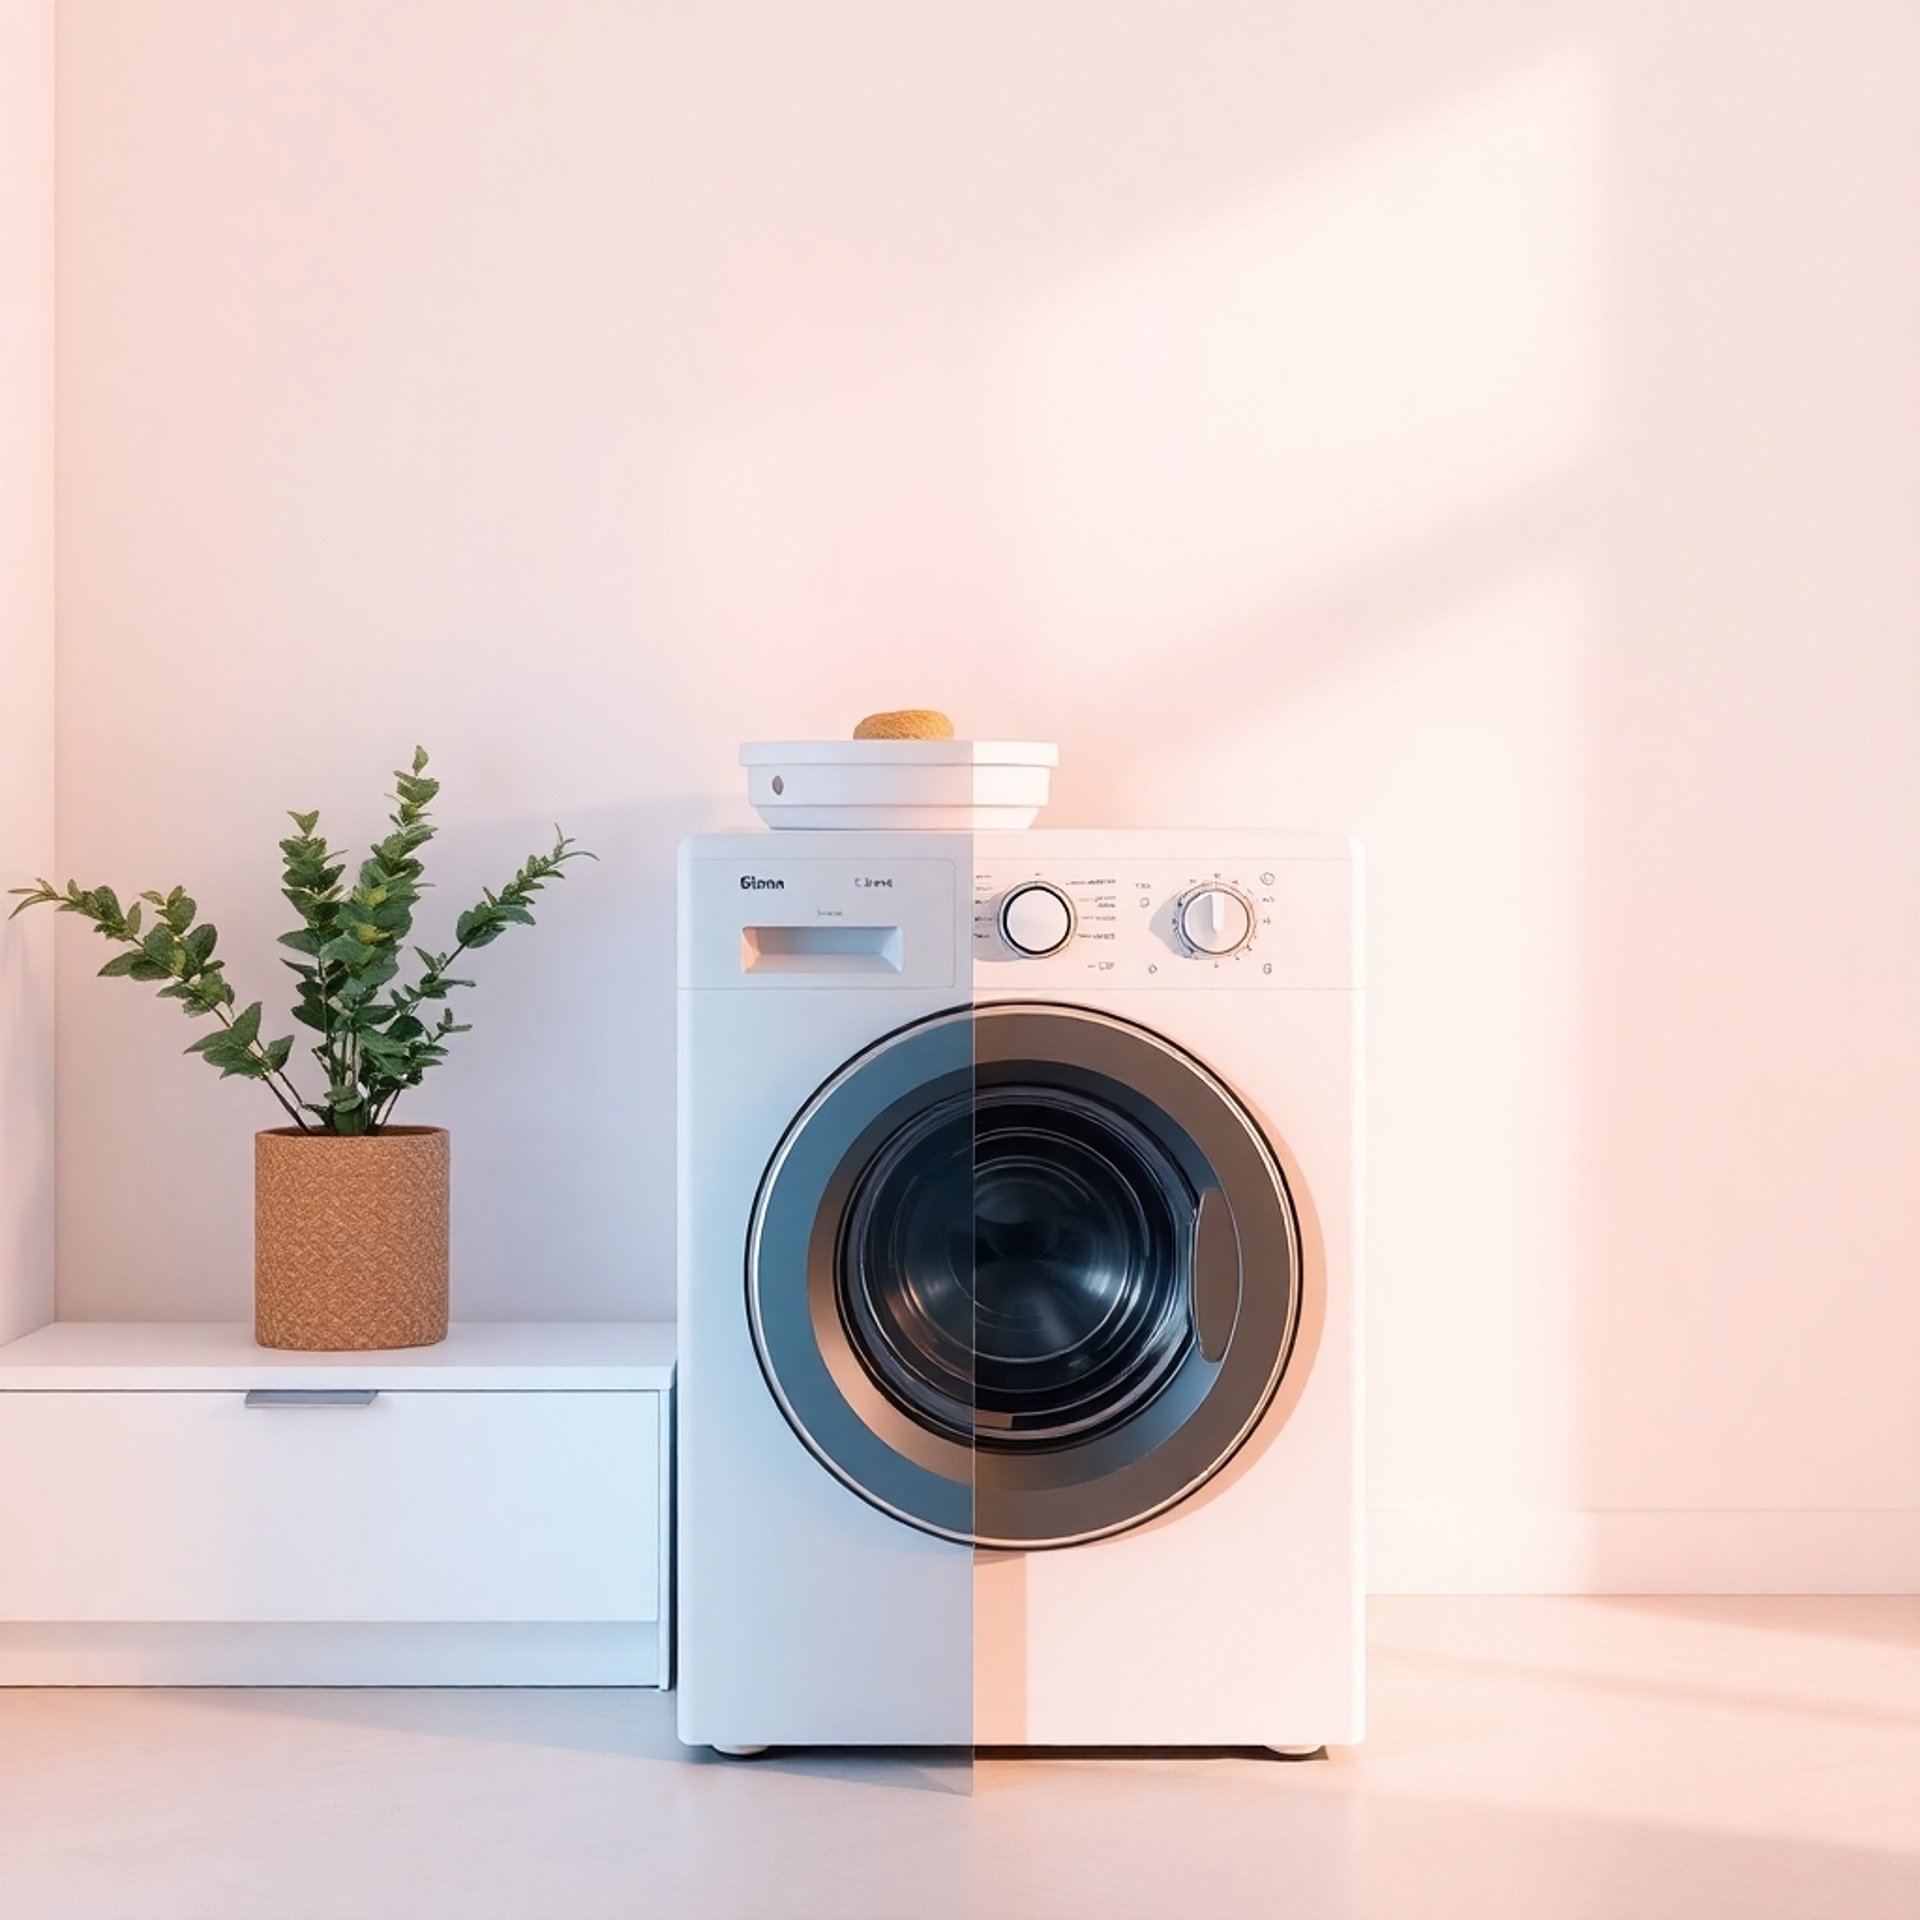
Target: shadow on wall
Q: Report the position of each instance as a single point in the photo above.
(563, 1094)
(26, 1174)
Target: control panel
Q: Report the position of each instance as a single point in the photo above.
(1016, 913)
(1157, 922)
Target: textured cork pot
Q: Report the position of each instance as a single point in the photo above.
(350, 1239)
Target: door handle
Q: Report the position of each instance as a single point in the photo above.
(1216, 1274)
(311, 1396)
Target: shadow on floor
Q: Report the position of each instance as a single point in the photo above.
(634, 1723)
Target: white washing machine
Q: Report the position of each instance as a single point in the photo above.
(1019, 1374)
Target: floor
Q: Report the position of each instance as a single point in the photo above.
(1554, 1759)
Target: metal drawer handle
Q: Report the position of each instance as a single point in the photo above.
(312, 1396)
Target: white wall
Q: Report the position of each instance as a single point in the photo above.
(26, 657)
(1495, 428)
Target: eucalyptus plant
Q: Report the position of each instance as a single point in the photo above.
(377, 1035)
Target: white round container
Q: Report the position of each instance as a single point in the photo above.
(932, 785)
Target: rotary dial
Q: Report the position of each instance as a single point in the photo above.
(1214, 920)
(1036, 919)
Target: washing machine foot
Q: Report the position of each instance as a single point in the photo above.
(738, 1753)
(1297, 1753)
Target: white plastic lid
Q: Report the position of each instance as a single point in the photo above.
(916, 753)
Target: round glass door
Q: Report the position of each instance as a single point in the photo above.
(1024, 1275)
(1012, 1266)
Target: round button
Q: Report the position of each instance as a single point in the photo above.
(1214, 921)
(1036, 919)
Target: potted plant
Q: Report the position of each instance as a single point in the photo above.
(350, 1211)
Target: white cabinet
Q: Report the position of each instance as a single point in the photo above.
(411, 1506)
(177, 1504)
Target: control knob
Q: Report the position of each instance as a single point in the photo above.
(1213, 920)
(1036, 919)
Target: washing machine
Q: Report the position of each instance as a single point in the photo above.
(1019, 1289)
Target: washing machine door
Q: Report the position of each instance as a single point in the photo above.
(1024, 1275)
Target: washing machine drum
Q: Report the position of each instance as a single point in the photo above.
(1024, 1275)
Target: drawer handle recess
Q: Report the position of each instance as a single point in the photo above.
(312, 1396)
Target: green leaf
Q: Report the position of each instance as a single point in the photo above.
(246, 1026)
(303, 941)
(199, 943)
(343, 950)
(149, 970)
(396, 851)
(278, 1051)
(392, 914)
(119, 966)
(377, 972)
(306, 822)
(37, 895)
(211, 987)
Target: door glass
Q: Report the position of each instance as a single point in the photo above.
(907, 1267)
(1079, 1238)
(1012, 1269)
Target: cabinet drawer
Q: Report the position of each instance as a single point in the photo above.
(417, 1506)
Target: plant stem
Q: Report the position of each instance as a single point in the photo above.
(428, 979)
(329, 1047)
(292, 1105)
(290, 1099)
